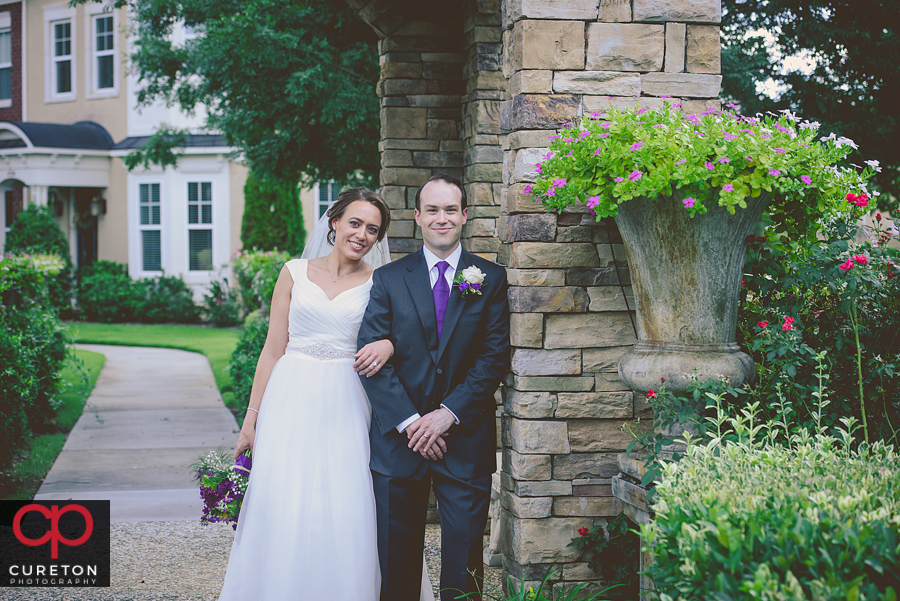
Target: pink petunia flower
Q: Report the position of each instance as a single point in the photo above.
(689, 202)
(806, 179)
(592, 202)
(620, 179)
(780, 150)
(709, 165)
(635, 146)
(728, 188)
(528, 189)
(635, 175)
(724, 160)
(775, 172)
(583, 135)
(681, 161)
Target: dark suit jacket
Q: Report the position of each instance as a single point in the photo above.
(462, 372)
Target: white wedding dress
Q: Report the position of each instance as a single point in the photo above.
(307, 525)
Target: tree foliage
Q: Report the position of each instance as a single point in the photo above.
(291, 83)
(854, 83)
(272, 216)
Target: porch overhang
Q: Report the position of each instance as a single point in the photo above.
(52, 154)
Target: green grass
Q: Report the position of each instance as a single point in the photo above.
(77, 380)
(216, 344)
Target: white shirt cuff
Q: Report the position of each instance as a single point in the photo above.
(405, 423)
(455, 419)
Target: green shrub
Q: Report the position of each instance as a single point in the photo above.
(754, 519)
(165, 299)
(272, 216)
(24, 278)
(246, 354)
(837, 293)
(35, 231)
(256, 272)
(32, 351)
(222, 305)
(106, 293)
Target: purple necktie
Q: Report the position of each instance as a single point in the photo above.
(441, 293)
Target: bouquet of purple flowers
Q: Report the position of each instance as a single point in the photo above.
(223, 483)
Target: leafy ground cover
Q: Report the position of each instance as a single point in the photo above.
(217, 344)
(77, 380)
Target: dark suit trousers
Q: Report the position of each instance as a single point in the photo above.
(402, 504)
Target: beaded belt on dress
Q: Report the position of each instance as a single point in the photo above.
(321, 351)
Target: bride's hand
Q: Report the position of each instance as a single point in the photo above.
(372, 357)
(246, 439)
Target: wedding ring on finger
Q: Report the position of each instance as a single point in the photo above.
(374, 363)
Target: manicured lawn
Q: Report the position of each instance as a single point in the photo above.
(216, 343)
(75, 386)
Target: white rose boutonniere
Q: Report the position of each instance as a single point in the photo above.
(469, 281)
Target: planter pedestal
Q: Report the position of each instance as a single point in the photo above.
(687, 276)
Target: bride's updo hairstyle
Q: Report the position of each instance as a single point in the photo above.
(351, 195)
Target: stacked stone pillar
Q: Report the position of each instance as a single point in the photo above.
(565, 407)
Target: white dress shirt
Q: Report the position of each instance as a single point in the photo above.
(432, 260)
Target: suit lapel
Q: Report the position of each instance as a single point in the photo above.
(419, 285)
(454, 307)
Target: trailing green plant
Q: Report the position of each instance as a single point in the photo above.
(673, 415)
(106, 293)
(221, 304)
(548, 589)
(750, 516)
(36, 232)
(717, 157)
(613, 554)
(165, 299)
(246, 354)
(256, 272)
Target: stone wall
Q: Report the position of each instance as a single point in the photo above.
(440, 88)
(565, 406)
(474, 88)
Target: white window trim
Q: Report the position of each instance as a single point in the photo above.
(52, 15)
(6, 26)
(149, 227)
(318, 203)
(90, 36)
(199, 226)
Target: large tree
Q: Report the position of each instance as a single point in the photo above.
(291, 83)
(853, 86)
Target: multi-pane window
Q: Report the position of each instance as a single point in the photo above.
(150, 227)
(104, 53)
(200, 220)
(328, 192)
(5, 64)
(62, 56)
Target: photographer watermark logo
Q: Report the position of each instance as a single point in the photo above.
(54, 543)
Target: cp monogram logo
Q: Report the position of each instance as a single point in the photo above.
(53, 535)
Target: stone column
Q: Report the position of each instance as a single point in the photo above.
(570, 299)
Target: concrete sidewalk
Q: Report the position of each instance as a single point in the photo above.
(152, 412)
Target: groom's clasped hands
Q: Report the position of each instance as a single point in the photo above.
(426, 434)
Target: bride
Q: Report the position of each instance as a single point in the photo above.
(307, 525)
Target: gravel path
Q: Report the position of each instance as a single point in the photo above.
(182, 561)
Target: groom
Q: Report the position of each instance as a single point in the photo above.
(433, 402)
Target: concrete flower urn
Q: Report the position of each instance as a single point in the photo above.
(686, 273)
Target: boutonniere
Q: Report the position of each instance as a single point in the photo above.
(469, 281)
